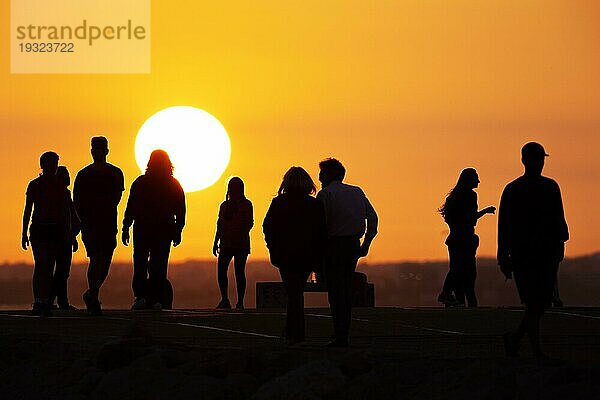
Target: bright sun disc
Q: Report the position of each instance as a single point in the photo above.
(196, 141)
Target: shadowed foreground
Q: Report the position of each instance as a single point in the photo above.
(395, 353)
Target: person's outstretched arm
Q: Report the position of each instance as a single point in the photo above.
(487, 210)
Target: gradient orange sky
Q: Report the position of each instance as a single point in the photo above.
(404, 93)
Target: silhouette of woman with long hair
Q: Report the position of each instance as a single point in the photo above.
(296, 234)
(460, 213)
(47, 200)
(232, 241)
(156, 208)
(66, 248)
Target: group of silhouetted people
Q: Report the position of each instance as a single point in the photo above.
(532, 232)
(304, 233)
(156, 206)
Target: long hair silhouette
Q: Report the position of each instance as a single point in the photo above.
(235, 189)
(465, 178)
(297, 181)
(159, 164)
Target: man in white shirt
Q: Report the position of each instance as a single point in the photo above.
(346, 211)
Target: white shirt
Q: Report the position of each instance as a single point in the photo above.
(346, 210)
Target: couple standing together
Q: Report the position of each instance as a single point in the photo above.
(322, 234)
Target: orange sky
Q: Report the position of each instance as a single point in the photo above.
(405, 93)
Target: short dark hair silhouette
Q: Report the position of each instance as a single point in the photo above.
(99, 142)
(49, 161)
(159, 163)
(333, 168)
(297, 181)
(99, 148)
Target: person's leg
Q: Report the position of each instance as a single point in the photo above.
(222, 265)
(157, 269)
(332, 272)
(340, 265)
(98, 271)
(44, 256)
(460, 265)
(470, 275)
(294, 280)
(450, 283)
(61, 274)
(351, 248)
(239, 263)
(533, 331)
(284, 271)
(139, 282)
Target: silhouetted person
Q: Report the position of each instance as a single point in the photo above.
(156, 208)
(66, 248)
(47, 200)
(232, 241)
(346, 210)
(460, 213)
(295, 233)
(532, 232)
(96, 192)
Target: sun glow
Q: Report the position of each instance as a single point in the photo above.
(196, 141)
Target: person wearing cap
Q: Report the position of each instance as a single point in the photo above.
(97, 191)
(532, 232)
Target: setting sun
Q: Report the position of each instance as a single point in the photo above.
(196, 141)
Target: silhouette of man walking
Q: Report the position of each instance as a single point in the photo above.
(532, 232)
(346, 210)
(96, 193)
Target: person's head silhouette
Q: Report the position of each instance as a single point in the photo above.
(532, 157)
(331, 170)
(159, 164)
(235, 189)
(297, 181)
(468, 179)
(62, 173)
(49, 163)
(99, 149)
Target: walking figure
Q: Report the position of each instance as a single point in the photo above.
(349, 215)
(156, 208)
(295, 233)
(461, 215)
(49, 203)
(532, 232)
(96, 192)
(66, 247)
